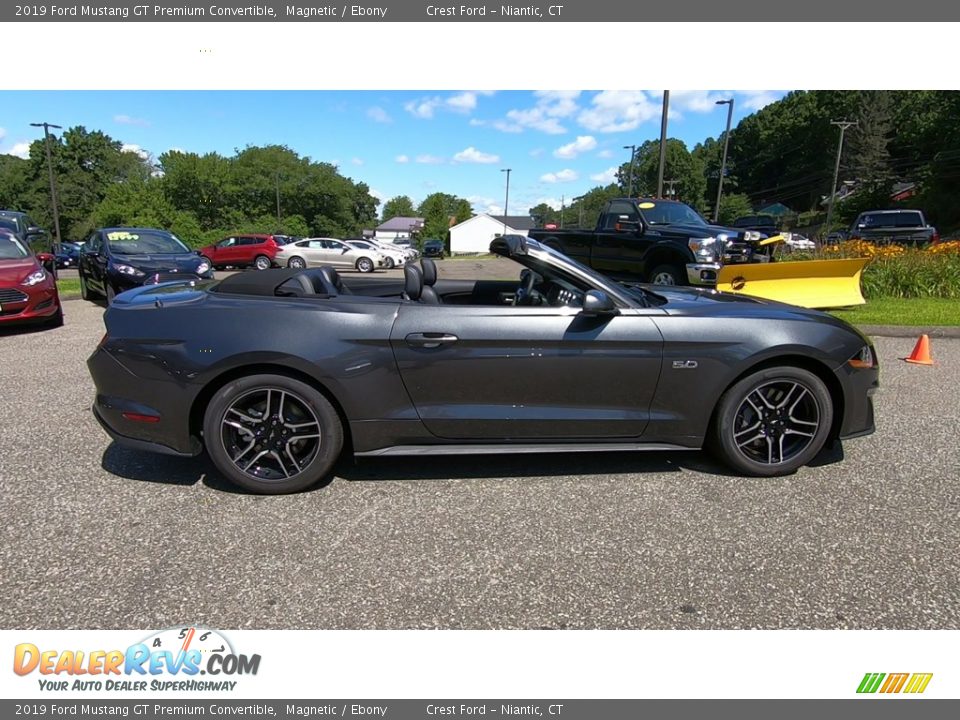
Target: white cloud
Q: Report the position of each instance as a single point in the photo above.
(378, 114)
(759, 99)
(555, 203)
(605, 154)
(474, 122)
(430, 160)
(618, 111)
(21, 150)
(3, 133)
(462, 102)
(567, 175)
(472, 155)
(536, 152)
(698, 101)
(377, 194)
(583, 143)
(402, 159)
(357, 161)
(483, 204)
(551, 106)
(129, 120)
(136, 150)
(606, 177)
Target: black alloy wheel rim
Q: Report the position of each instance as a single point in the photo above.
(776, 422)
(270, 434)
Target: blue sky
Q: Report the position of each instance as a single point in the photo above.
(557, 143)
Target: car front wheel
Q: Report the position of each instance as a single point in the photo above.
(365, 265)
(666, 275)
(84, 290)
(272, 434)
(773, 421)
(390, 263)
(262, 262)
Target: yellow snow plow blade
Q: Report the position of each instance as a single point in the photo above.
(807, 283)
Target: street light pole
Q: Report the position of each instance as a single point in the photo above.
(506, 200)
(663, 141)
(843, 125)
(633, 154)
(723, 163)
(53, 182)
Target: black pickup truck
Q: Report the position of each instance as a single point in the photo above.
(903, 227)
(657, 241)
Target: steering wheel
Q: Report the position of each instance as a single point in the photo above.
(526, 294)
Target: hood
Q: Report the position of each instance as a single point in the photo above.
(692, 230)
(12, 272)
(183, 262)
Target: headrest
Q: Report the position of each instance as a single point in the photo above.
(297, 286)
(429, 271)
(413, 282)
(331, 278)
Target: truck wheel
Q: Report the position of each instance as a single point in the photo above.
(666, 275)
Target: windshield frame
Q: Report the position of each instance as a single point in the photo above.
(114, 247)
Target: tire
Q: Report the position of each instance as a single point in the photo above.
(57, 320)
(666, 275)
(262, 262)
(772, 422)
(303, 411)
(390, 263)
(84, 290)
(111, 294)
(297, 262)
(365, 265)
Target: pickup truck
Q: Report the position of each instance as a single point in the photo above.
(664, 242)
(903, 227)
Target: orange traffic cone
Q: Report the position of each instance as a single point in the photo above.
(921, 352)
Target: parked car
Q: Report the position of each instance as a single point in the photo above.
(26, 229)
(407, 246)
(67, 254)
(433, 248)
(28, 291)
(258, 251)
(330, 251)
(767, 224)
(116, 259)
(903, 227)
(562, 360)
(395, 257)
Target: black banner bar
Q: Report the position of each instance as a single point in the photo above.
(872, 708)
(451, 11)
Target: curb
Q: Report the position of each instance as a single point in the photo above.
(907, 331)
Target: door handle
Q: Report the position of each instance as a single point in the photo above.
(430, 339)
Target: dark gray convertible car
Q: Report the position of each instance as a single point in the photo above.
(275, 373)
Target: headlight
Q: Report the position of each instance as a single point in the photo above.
(203, 267)
(703, 248)
(751, 235)
(128, 270)
(35, 277)
(864, 360)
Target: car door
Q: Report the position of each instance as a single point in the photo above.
(620, 245)
(527, 373)
(313, 251)
(338, 254)
(94, 261)
(225, 251)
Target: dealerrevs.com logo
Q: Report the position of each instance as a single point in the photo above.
(909, 683)
(172, 659)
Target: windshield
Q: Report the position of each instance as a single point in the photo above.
(8, 224)
(145, 242)
(11, 249)
(889, 220)
(659, 212)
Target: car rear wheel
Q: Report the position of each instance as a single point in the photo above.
(773, 421)
(365, 265)
(666, 275)
(272, 434)
(297, 262)
(262, 262)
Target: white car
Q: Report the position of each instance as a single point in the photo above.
(394, 255)
(313, 252)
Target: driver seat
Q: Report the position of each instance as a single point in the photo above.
(428, 295)
(412, 283)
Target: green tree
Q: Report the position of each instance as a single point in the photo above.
(543, 214)
(440, 211)
(585, 210)
(733, 206)
(684, 169)
(400, 206)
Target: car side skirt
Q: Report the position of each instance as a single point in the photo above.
(501, 448)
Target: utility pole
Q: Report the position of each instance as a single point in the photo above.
(723, 164)
(633, 154)
(53, 182)
(562, 198)
(663, 141)
(278, 202)
(843, 125)
(506, 200)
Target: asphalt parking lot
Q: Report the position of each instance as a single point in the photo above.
(97, 536)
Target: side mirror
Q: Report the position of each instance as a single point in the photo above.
(597, 302)
(34, 232)
(629, 226)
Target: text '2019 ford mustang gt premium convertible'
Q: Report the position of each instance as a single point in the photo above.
(274, 373)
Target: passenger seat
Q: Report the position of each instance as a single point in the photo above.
(428, 295)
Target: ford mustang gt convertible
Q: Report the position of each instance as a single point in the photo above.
(275, 373)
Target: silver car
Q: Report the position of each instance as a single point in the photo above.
(329, 251)
(395, 257)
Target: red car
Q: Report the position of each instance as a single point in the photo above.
(28, 291)
(242, 251)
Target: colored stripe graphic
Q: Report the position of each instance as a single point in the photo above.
(918, 683)
(894, 682)
(870, 682)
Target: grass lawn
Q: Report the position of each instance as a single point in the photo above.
(903, 311)
(69, 287)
